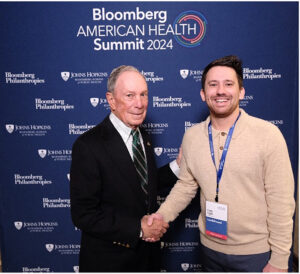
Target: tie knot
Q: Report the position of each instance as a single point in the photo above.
(135, 134)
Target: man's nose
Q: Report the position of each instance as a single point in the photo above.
(138, 102)
(220, 89)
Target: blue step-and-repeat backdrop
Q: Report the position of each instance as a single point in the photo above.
(55, 61)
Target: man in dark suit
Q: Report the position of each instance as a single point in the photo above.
(114, 183)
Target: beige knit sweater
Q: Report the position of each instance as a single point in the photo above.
(257, 185)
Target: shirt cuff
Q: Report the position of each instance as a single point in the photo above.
(175, 168)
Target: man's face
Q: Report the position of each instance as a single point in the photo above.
(129, 101)
(221, 91)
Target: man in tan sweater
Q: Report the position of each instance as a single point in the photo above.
(247, 201)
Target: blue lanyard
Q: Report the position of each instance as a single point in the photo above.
(222, 161)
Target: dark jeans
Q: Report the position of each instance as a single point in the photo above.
(213, 261)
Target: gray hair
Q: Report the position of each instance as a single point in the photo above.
(114, 75)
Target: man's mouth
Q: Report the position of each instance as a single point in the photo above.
(137, 114)
(221, 100)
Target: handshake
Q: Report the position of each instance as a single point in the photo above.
(153, 227)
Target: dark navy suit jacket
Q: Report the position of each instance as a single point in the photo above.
(107, 201)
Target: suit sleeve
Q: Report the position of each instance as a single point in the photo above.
(181, 194)
(166, 177)
(89, 212)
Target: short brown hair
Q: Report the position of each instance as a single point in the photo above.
(230, 61)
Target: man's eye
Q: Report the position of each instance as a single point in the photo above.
(129, 95)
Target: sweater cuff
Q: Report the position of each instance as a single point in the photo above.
(167, 216)
(278, 260)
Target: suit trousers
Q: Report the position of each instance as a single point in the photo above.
(144, 258)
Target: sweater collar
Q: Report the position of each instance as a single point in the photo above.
(239, 127)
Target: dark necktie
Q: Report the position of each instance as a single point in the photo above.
(139, 159)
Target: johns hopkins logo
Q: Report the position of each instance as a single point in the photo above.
(184, 73)
(65, 75)
(94, 101)
(158, 150)
(170, 152)
(194, 74)
(18, 225)
(185, 266)
(49, 247)
(195, 23)
(76, 268)
(42, 153)
(10, 128)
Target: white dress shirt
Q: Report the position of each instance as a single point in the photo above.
(125, 133)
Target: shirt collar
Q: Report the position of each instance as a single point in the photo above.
(123, 130)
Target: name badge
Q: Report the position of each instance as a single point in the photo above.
(216, 220)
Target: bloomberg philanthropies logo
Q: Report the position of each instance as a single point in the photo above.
(52, 104)
(188, 124)
(169, 102)
(190, 223)
(37, 269)
(261, 73)
(79, 129)
(22, 78)
(150, 76)
(31, 180)
(56, 203)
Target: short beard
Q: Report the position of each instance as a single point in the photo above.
(223, 115)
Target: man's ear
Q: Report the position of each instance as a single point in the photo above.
(242, 94)
(110, 100)
(202, 94)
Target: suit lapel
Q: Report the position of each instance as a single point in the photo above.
(118, 152)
